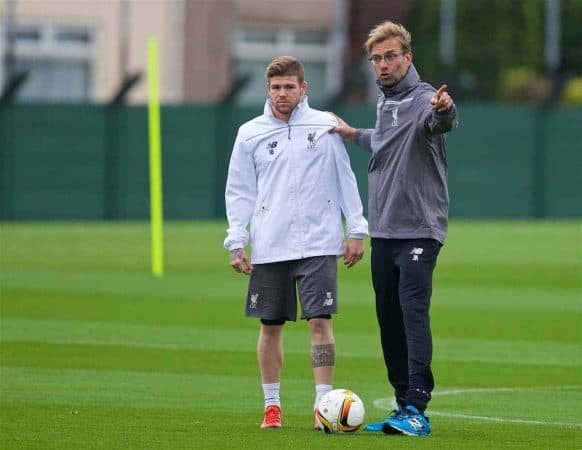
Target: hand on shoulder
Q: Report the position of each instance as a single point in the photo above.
(343, 128)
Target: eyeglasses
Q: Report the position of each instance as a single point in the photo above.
(388, 57)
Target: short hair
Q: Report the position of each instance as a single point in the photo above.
(387, 30)
(285, 66)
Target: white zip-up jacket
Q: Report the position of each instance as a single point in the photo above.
(291, 181)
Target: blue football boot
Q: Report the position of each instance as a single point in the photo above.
(377, 427)
(410, 422)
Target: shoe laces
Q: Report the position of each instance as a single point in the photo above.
(406, 412)
(272, 413)
(395, 412)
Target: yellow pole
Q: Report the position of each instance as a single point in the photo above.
(154, 129)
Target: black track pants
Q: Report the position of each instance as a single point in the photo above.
(402, 276)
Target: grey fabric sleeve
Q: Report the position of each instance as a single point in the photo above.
(363, 138)
(440, 123)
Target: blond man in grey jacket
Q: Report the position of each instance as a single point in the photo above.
(408, 214)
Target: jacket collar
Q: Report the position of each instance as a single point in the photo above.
(407, 83)
(300, 109)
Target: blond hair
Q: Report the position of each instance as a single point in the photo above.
(285, 66)
(387, 30)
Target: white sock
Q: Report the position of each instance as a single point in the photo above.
(271, 391)
(320, 390)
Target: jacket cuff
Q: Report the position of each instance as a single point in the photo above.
(234, 245)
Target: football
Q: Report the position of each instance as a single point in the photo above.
(340, 411)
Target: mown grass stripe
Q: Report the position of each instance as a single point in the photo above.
(350, 345)
(200, 392)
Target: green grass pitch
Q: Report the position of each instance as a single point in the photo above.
(96, 353)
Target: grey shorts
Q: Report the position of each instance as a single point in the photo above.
(273, 289)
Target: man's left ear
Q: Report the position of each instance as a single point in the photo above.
(304, 88)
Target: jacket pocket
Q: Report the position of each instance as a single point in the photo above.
(257, 222)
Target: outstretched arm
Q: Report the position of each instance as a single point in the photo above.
(360, 136)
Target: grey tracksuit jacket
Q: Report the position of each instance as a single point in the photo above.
(407, 172)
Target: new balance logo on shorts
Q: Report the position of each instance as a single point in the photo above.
(415, 252)
(329, 299)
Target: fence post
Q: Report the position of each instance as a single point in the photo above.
(111, 157)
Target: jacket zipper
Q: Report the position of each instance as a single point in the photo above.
(298, 197)
(380, 162)
(380, 115)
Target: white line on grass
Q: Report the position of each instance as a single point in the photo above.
(503, 389)
(502, 420)
(388, 403)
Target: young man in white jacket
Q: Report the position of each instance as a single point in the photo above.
(291, 180)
